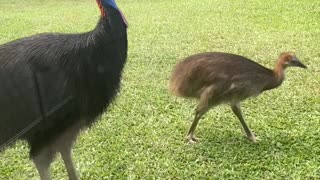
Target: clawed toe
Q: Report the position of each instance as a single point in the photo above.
(192, 139)
(254, 139)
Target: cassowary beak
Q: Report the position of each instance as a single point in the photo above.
(296, 62)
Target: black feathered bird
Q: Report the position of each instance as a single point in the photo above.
(54, 85)
(216, 78)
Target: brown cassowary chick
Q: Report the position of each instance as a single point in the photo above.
(215, 78)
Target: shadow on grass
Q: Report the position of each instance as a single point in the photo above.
(234, 148)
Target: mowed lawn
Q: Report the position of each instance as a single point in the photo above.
(142, 134)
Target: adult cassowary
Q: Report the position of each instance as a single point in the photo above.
(54, 85)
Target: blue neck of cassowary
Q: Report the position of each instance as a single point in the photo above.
(111, 3)
(115, 17)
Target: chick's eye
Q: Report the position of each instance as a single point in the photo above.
(287, 61)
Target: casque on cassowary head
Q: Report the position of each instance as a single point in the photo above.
(53, 85)
(216, 78)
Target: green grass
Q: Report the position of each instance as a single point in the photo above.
(142, 135)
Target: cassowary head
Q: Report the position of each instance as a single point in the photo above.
(288, 59)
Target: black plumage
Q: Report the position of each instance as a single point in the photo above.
(54, 85)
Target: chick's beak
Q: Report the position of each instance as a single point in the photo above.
(296, 62)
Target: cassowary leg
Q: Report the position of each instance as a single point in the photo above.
(201, 109)
(42, 160)
(237, 111)
(66, 152)
(64, 146)
(191, 138)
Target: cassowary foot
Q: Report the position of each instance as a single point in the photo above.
(192, 139)
(253, 138)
